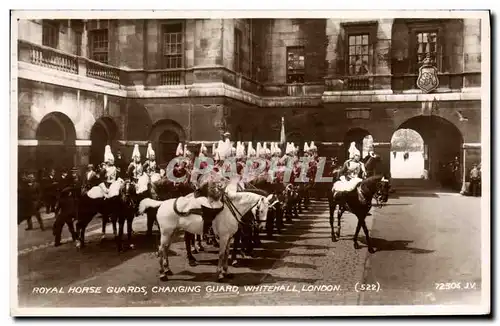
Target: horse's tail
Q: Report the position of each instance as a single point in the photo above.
(148, 203)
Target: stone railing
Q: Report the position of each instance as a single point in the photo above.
(47, 57)
(447, 81)
(293, 90)
(103, 71)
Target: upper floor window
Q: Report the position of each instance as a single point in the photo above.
(427, 47)
(238, 53)
(78, 42)
(172, 46)
(359, 57)
(425, 43)
(50, 33)
(295, 63)
(99, 45)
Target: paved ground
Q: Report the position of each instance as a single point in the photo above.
(422, 239)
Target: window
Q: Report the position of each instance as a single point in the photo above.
(99, 45)
(78, 42)
(359, 55)
(50, 33)
(172, 46)
(295, 65)
(426, 47)
(238, 62)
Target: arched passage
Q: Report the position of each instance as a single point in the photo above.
(104, 132)
(408, 157)
(56, 137)
(165, 136)
(361, 137)
(442, 146)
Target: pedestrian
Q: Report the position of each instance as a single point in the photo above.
(475, 180)
(30, 198)
(66, 206)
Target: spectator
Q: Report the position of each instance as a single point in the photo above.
(475, 180)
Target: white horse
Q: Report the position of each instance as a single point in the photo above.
(177, 214)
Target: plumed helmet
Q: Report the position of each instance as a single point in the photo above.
(179, 151)
(353, 150)
(187, 152)
(135, 152)
(150, 153)
(313, 147)
(108, 155)
(306, 147)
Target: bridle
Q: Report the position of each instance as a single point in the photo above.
(239, 217)
(378, 194)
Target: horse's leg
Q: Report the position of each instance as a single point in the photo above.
(130, 220)
(115, 219)
(188, 240)
(365, 230)
(226, 259)
(105, 218)
(165, 240)
(118, 238)
(199, 245)
(223, 257)
(151, 215)
(237, 243)
(355, 238)
(340, 212)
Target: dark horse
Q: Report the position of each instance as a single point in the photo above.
(89, 207)
(359, 202)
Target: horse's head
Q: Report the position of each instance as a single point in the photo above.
(382, 190)
(127, 192)
(261, 209)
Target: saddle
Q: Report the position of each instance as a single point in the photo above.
(184, 206)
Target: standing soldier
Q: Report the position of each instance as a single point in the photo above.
(66, 206)
(150, 166)
(29, 200)
(134, 170)
(120, 165)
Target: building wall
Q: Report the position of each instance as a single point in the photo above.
(250, 114)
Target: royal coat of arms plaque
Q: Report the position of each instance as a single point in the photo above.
(427, 79)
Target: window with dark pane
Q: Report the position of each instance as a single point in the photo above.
(295, 61)
(99, 45)
(238, 64)
(426, 47)
(359, 54)
(172, 40)
(78, 42)
(50, 33)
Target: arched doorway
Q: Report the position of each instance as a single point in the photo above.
(166, 135)
(408, 157)
(361, 137)
(297, 138)
(56, 137)
(442, 148)
(103, 133)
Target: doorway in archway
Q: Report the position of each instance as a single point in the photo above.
(56, 137)
(167, 145)
(408, 157)
(441, 151)
(103, 133)
(362, 138)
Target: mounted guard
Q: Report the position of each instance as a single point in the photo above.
(135, 169)
(353, 172)
(112, 184)
(150, 166)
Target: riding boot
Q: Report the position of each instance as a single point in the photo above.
(207, 220)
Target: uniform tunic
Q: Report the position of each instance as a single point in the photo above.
(135, 171)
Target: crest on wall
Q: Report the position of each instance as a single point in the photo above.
(427, 79)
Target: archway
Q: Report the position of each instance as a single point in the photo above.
(166, 135)
(56, 137)
(408, 157)
(442, 147)
(361, 137)
(103, 133)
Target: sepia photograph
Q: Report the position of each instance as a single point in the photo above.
(250, 163)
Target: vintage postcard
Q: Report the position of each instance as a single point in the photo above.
(250, 163)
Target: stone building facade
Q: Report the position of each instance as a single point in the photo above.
(86, 83)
